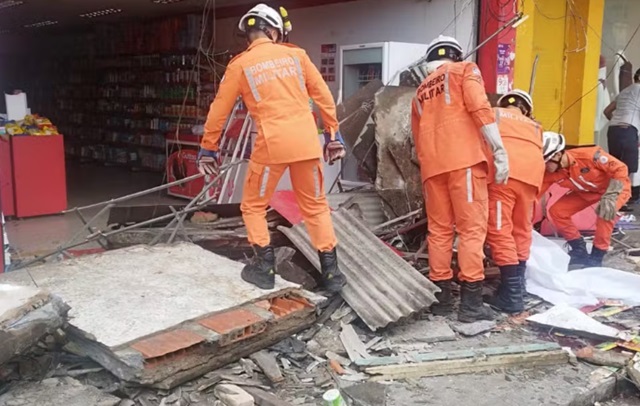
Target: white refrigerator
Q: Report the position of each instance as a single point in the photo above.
(362, 63)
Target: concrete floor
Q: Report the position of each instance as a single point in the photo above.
(86, 184)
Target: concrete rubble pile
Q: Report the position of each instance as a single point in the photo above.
(145, 324)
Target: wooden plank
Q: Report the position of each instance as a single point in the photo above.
(355, 348)
(269, 365)
(468, 365)
(459, 354)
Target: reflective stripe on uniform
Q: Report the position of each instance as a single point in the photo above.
(416, 102)
(497, 116)
(576, 184)
(265, 180)
(447, 94)
(252, 84)
(469, 186)
(300, 74)
(499, 215)
(316, 181)
(586, 182)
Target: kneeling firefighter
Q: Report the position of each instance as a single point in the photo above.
(592, 176)
(275, 81)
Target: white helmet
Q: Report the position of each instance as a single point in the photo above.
(444, 47)
(509, 98)
(552, 143)
(266, 13)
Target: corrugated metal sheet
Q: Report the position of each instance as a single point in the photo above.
(382, 288)
(369, 201)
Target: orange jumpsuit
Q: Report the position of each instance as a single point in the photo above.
(511, 204)
(588, 175)
(275, 81)
(448, 112)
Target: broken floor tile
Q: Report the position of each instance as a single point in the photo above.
(422, 331)
(367, 394)
(473, 329)
(326, 340)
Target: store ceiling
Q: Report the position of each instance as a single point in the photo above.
(19, 16)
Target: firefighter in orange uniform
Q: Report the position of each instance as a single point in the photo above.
(511, 204)
(275, 82)
(592, 176)
(450, 117)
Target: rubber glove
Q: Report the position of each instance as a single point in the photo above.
(208, 162)
(606, 209)
(333, 150)
(500, 159)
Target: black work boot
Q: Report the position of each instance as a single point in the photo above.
(522, 270)
(595, 259)
(262, 270)
(509, 296)
(333, 279)
(445, 301)
(579, 255)
(472, 308)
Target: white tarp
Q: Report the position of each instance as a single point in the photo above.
(548, 278)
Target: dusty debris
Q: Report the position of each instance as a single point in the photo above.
(232, 395)
(203, 217)
(473, 329)
(27, 314)
(326, 340)
(603, 358)
(337, 368)
(382, 287)
(56, 392)
(421, 331)
(568, 319)
(367, 394)
(264, 398)
(269, 365)
(633, 370)
(355, 348)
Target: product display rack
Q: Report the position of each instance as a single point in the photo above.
(116, 91)
(118, 111)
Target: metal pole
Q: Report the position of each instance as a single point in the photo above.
(137, 194)
(510, 23)
(533, 74)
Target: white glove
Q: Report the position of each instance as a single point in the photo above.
(500, 159)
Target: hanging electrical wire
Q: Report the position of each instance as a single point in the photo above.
(598, 84)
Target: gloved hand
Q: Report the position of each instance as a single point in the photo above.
(333, 150)
(606, 209)
(500, 159)
(501, 163)
(208, 162)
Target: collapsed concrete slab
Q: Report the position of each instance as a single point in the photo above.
(26, 315)
(56, 392)
(398, 181)
(162, 315)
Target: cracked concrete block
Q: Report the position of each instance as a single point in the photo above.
(232, 395)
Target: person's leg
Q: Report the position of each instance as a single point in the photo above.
(440, 239)
(604, 229)
(500, 237)
(469, 197)
(560, 214)
(260, 183)
(308, 184)
(523, 227)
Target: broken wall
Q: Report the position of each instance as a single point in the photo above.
(398, 177)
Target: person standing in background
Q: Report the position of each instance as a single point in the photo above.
(622, 136)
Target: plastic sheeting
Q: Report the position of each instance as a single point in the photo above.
(548, 278)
